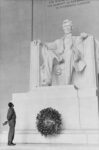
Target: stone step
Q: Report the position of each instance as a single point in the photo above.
(50, 147)
(74, 137)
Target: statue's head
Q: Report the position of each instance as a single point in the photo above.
(67, 26)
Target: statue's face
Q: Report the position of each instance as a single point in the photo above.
(67, 29)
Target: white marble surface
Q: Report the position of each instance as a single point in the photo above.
(61, 98)
(78, 108)
(51, 147)
(72, 137)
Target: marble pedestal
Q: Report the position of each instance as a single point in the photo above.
(79, 110)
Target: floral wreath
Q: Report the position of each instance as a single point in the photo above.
(49, 122)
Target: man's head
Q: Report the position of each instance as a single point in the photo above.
(67, 26)
(10, 104)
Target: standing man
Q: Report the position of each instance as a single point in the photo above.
(11, 117)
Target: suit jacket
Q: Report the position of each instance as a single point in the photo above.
(11, 117)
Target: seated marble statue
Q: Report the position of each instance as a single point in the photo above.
(62, 57)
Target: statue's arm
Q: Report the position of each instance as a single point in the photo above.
(51, 45)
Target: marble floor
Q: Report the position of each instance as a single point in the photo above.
(49, 147)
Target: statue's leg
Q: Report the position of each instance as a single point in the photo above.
(68, 71)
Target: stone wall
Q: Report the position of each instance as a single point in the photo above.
(15, 37)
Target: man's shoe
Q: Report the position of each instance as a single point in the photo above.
(13, 144)
(9, 144)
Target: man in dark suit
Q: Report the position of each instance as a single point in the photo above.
(11, 117)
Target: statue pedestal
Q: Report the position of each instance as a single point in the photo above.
(79, 110)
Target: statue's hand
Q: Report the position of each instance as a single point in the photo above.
(38, 42)
(83, 35)
(61, 60)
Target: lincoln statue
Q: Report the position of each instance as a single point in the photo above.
(66, 60)
(62, 57)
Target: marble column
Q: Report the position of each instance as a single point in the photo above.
(34, 65)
